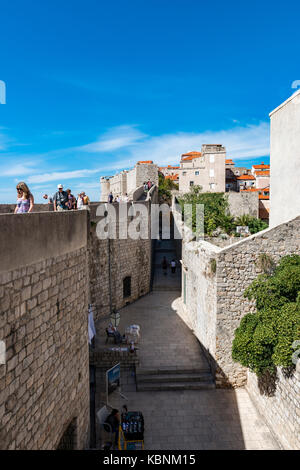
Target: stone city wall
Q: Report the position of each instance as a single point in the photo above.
(10, 208)
(111, 261)
(281, 407)
(199, 292)
(44, 384)
(236, 269)
(220, 295)
(51, 266)
(243, 203)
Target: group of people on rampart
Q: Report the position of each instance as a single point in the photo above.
(61, 200)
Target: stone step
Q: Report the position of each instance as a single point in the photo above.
(172, 370)
(163, 378)
(169, 386)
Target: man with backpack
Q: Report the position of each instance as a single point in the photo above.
(60, 199)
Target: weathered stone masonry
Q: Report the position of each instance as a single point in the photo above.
(215, 305)
(128, 258)
(44, 384)
(51, 266)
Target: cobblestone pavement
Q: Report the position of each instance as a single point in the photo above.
(196, 420)
(189, 419)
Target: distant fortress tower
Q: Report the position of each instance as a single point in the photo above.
(128, 181)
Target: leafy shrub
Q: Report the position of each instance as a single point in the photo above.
(217, 214)
(264, 339)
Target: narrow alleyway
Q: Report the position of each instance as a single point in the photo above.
(177, 416)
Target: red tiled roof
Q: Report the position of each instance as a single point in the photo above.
(245, 177)
(190, 155)
(172, 177)
(229, 162)
(262, 173)
(145, 161)
(261, 166)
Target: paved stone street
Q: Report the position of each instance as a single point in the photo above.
(197, 420)
(184, 419)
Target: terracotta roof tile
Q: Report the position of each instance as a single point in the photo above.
(245, 177)
(190, 155)
(262, 173)
(172, 177)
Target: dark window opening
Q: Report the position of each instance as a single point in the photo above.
(127, 286)
(68, 439)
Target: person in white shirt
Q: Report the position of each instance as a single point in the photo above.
(173, 265)
(80, 202)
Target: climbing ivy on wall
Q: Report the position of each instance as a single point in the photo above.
(264, 339)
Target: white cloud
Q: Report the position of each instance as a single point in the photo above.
(60, 175)
(240, 142)
(18, 169)
(116, 138)
(125, 146)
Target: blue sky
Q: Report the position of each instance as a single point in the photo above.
(94, 86)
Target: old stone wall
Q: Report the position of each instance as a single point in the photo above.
(112, 260)
(44, 384)
(214, 301)
(243, 203)
(10, 208)
(199, 292)
(236, 269)
(279, 402)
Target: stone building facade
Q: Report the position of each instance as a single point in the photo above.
(205, 168)
(128, 181)
(44, 384)
(285, 157)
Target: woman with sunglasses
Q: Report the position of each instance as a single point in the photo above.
(25, 199)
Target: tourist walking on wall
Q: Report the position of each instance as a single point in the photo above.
(60, 199)
(86, 201)
(80, 202)
(164, 265)
(49, 199)
(110, 197)
(173, 265)
(25, 199)
(71, 200)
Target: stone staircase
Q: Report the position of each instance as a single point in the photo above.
(173, 379)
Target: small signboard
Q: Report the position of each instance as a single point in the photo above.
(113, 377)
(242, 229)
